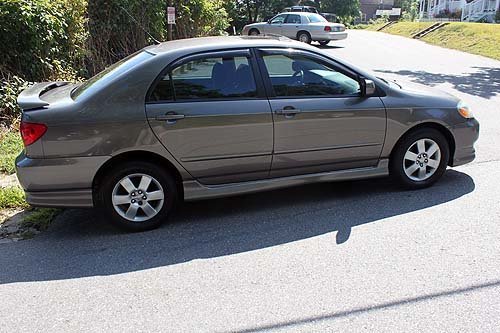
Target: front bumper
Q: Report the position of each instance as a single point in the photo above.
(465, 134)
(58, 182)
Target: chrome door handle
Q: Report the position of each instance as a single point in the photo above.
(170, 116)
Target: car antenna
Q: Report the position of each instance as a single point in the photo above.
(156, 41)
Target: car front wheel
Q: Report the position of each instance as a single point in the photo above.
(137, 196)
(420, 159)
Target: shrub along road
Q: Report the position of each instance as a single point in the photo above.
(327, 257)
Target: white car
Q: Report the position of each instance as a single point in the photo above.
(305, 27)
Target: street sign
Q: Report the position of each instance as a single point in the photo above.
(170, 15)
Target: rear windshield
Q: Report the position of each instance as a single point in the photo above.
(103, 78)
(315, 18)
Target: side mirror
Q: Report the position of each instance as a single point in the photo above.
(368, 87)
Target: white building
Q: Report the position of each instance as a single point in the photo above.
(471, 10)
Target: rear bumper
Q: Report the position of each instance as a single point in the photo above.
(58, 182)
(466, 134)
(330, 36)
(61, 199)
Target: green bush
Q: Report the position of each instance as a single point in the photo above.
(41, 39)
(12, 197)
(10, 88)
(10, 146)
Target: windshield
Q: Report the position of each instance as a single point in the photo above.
(315, 18)
(103, 78)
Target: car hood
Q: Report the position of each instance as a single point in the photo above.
(421, 95)
(423, 90)
(258, 24)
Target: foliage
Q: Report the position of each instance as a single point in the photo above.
(40, 219)
(410, 13)
(200, 18)
(118, 28)
(10, 88)
(448, 14)
(497, 16)
(10, 146)
(44, 38)
(346, 10)
(12, 197)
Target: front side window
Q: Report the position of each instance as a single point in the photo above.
(298, 75)
(207, 78)
(278, 19)
(293, 19)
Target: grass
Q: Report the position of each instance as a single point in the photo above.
(40, 218)
(12, 197)
(407, 29)
(10, 146)
(477, 38)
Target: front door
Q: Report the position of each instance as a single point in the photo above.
(321, 121)
(274, 26)
(209, 114)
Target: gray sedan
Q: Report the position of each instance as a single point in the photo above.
(305, 27)
(212, 117)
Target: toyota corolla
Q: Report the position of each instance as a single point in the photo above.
(218, 116)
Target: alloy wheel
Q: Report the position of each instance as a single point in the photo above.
(422, 159)
(138, 197)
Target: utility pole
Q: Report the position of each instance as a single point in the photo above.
(170, 25)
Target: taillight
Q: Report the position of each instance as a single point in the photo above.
(328, 28)
(30, 132)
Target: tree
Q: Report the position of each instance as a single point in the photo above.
(197, 18)
(346, 10)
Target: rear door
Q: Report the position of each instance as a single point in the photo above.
(321, 122)
(212, 115)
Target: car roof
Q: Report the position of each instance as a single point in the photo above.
(202, 44)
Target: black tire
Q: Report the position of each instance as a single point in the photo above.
(304, 36)
(104, 195)
(398, 162)
(324, 42)
(253, 32)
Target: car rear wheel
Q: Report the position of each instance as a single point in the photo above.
(304, 37)
(324, 42)
(420, 159)
(137, 196)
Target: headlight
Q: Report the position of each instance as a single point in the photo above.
(464, 110)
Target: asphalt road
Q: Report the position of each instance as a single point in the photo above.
(353, 256)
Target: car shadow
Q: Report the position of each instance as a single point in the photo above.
(484, 82)
(328, 47)
(81, 244)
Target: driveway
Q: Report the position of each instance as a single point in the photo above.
(345, 256)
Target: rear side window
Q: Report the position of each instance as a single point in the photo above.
(207, 78)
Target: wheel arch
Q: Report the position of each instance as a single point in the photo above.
(253, 29)
(301, 31)
(144, 156)
(441, 128)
